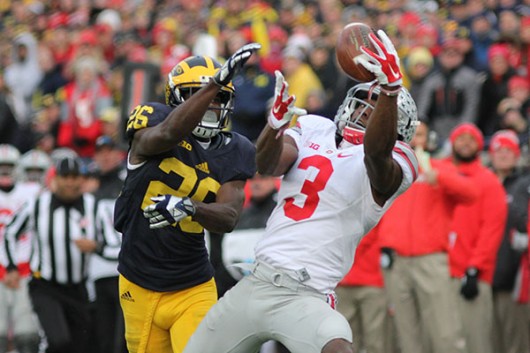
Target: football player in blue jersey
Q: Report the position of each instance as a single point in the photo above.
(187, 175)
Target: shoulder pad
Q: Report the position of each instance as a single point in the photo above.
(146, 115)
(404, 152)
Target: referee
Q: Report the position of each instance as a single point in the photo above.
(61, 221)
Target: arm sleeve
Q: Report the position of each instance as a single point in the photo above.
(460, 188)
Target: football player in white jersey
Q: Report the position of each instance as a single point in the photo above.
(16, 313)
(338, 180)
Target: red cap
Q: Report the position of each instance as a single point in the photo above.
(468, 128)
(499, 49)
(505, 138)
(409, 18)
(88, 36)
(518, 82)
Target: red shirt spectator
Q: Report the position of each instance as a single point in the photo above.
(366, 270)
(85, 99)
(478, 227)
(418, 222)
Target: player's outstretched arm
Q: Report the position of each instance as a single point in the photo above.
(275, 153)
(184, 118)
(381, 131)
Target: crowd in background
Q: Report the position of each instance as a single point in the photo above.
(66, 78)
(71, 71)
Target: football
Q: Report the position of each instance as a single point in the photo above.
(351, 38)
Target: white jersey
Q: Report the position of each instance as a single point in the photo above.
(325, 206)
(10, 203)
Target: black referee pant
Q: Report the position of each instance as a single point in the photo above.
(63, 313)
(109, 323)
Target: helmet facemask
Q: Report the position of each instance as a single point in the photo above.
(352, 110)
(356, 99)
(186, 79)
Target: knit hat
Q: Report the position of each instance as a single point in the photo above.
(505, 138)
(499, 50)
(468, 128)
(518, 82)
(420, 55)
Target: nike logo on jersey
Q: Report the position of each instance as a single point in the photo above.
(343, 155)
(203, 167)
(127, 296)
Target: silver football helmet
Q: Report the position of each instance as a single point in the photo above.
(33, 165)
(9, 156)
(190, 75)
(357, 96)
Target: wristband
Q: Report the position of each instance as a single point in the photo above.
(390, 93)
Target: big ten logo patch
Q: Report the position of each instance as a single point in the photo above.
(185, 145)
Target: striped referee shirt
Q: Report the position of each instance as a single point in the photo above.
(54, 226)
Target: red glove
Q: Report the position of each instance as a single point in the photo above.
(385, 63)
(283, 108)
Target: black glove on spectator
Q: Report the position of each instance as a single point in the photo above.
(469, 288)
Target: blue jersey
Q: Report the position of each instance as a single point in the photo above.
(174, 257)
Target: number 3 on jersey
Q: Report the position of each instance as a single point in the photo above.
(310, 188)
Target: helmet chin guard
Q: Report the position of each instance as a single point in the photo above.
(208, 127)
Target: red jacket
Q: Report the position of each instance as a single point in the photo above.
(366, 270)
(418, 223)
(478, 228)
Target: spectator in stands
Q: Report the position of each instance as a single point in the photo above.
(494, 88)
(301, 77)
(483, 35)
(10, 130)
(514, 110)
(23, 75)
(85, 99)
(255, 89)
(450, 93)
(418, 65)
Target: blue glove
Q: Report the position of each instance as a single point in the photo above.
(234, 64)
(168, 210)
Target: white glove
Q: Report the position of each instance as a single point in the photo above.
(385, 63)
(519, 241)
(235, 63)
(283, 108)
(167, 210)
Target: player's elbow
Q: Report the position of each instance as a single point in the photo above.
(227, 226)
